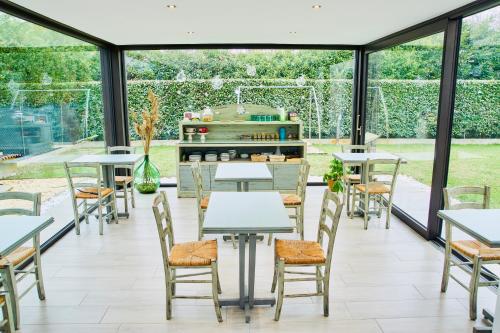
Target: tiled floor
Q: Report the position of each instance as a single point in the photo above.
(383, 281)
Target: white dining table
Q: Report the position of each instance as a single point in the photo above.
(483, 225)
(246, 214)
(108, 162)
(242, 174)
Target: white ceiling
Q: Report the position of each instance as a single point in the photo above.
(236, 21)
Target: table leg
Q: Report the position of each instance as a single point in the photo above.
(246, 187)
(108, 176)
(251, 268)
(242, 239)
(239, 186)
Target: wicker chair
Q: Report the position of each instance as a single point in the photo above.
(297, 200)
(202, 200)
(124, 182)
(351, 179)
(190, 255)
(10, 272)
(476, 252)
(85, 184)
(375, 186)
(300, 253)
(7, 322)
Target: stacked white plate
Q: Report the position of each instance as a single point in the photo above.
(224, 157)
(211, 157)
(195, 158)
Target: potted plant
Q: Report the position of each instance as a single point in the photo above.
(334, 176)
(146, 175)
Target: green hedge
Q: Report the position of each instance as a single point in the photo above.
(412, 108)
(411, 104)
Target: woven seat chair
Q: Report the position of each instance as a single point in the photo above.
(7, 322)
(350, 178)
(296, 201)
(10, 271)
(85, 184)
(190, 255)
(300, 253)
(124, 183)
(375, 187)
(477, 253)
(202, 200)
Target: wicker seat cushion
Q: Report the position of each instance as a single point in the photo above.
(91, 192)
(193, 253)
(473, 248)
(291, 199)
(352, 178)
(123, 179)
(204, 202)
(299, 251)
(374, 188)
(18, 256)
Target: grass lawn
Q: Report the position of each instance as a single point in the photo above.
(471, 164)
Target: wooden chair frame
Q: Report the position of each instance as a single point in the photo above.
(161, 210)
(7, 322)
(90, 171)
(322, 271)
(11, 274)
(301, 190)
(348, 167)
(371, 176)
(129, 171)
(477, 261)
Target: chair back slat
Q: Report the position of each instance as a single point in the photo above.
(123, 150)
(34, 199)
(452, 202)
(330, 231)
(163, 218)
(302, 181)
(198, 181)
(355, 148)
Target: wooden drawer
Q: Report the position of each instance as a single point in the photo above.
(186, 181)
(286, 176)
(219, 186)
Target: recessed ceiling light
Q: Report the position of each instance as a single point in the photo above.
(171, 6)
(190, 32)
(316, 6)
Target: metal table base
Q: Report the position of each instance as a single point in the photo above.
(489, 318)
(246, 300)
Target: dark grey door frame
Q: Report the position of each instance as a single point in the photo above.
(114, 96)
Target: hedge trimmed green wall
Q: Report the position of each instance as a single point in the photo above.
(412, 108)
(411, 105)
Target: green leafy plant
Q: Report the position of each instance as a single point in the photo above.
(334, 176)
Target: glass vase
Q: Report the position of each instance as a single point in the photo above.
(146, 177)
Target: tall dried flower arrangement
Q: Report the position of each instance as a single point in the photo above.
(146, 128)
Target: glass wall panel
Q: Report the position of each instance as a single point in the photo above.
(475, 148)
(50, 111)
(317, 84)
(402, 106)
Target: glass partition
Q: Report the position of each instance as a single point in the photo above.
(50, 111)
(317, 84)
(401, 115)
(475, 145)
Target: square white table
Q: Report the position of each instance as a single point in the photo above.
(108, 162)
(246, 214)
(483, 225)
(242, 174)
(15, 231)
